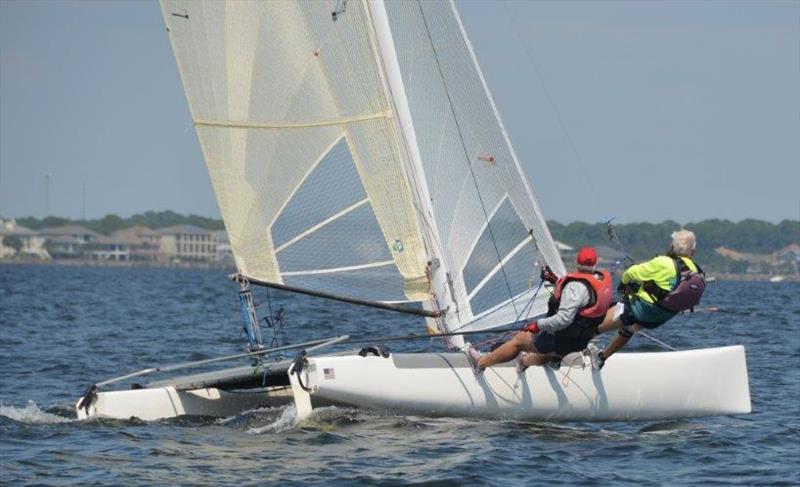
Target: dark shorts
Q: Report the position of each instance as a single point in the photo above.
(547, 343)
(645, 314)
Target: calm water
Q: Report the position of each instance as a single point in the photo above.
(63, 328)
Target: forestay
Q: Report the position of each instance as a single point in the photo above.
(316, 176)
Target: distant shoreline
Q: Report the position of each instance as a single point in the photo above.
(122, 263)
(229, 267)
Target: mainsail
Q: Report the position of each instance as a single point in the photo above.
(354, 150)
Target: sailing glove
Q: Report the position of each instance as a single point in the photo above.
(548, 275)
(531, 327)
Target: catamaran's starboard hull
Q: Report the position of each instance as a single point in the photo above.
(632, 386)
(166, 402)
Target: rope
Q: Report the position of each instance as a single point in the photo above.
(656, 340)
(468, 159)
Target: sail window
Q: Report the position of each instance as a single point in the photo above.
(327, 235)
(332, 186)
(519, 271)
(508, 232)
(353, 239)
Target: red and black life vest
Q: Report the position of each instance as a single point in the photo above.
(601, 295)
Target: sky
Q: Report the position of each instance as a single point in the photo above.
(646, 111)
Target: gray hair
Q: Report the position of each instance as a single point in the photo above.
(588, 269)
(683, 243)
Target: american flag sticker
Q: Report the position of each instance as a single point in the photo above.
(329, 373)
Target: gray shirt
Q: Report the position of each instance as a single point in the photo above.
(574, 296)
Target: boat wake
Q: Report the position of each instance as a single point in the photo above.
(32, 414)
(286, 421)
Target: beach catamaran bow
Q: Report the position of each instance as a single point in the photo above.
(356, 153)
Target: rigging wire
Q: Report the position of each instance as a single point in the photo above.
(466, 154)
(546, 92)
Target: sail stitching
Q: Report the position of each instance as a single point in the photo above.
(291, 125)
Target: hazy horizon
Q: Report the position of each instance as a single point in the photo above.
(616, 220)
(683, 111)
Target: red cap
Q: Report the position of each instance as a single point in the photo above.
(587, 256)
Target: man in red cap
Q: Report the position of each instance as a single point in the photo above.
(579, 303)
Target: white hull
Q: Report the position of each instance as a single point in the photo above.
(632, 386)
(166, 402)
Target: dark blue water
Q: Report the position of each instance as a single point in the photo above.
(62, 328)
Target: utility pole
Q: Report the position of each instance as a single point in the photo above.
(83, 201)
(47, 194)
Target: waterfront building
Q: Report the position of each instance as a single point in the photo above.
(187, 242)
(224, 250)
(68, 241)
(144, 244)
(16, 240)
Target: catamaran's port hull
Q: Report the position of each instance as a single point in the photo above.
(631, 387)
(219, 393)
(166, 402)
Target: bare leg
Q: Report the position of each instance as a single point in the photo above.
(538, 359)
(620, 342)
(522, 341)
(609, 323)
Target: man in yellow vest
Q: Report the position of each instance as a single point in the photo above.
(654, 291)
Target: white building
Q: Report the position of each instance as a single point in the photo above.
(188, 242)
(18, 240)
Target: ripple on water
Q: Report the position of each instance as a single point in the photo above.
(147, 317)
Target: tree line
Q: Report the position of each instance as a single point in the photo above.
(111, 223)
(644, 240)
(640, 240)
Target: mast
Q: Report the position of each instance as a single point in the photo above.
(441, 285)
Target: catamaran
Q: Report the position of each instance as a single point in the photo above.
(356, 154)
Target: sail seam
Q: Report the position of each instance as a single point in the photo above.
(291, 125)
(322, 224)
(339, 269)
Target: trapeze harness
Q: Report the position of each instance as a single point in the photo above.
(587, 319)
(688, 289)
